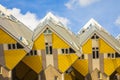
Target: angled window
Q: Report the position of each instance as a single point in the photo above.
(95, 52)
(117, 55)
(19, 46)
(95, 37)
(71, 50)
(47, 31)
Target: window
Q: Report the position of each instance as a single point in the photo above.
(48, 48)
(117, 55)
(95, 52)
(109, 55)
(112, 55)
(67, 50)
(9, 46)
(47, 31)
(71, 50)
(95, 37)
(82, 56)
(15, 46)
(62, 50)
(32, 53)
(19, 46)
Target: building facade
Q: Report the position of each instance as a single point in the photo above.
(53, 52)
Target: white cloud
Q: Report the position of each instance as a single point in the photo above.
(82, 3)
(64, 20)
(117, 22)
(29, 19)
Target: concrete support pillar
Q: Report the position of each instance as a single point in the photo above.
(62, 76)
(39, 77)
(10, 75)
(108, 78)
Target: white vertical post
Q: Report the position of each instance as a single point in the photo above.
(62, 76)
(10, 75)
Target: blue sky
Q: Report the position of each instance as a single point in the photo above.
(75, 13)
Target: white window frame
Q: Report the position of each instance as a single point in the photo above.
(95, 54)
(48, 46)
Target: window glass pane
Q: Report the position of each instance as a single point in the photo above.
(13, 45)
(97, 37)
(9, 46)
(35, 52)
(97, 54)
(82, 56)
(71, 50)
(93, 54)
(62, 50)
(46, 49)
(92, 37)
(50, 49)
(49, 31)
(109, 55)
(31, 52)
(19, 46)
(45, 31)
(66, 50)
(112, 55)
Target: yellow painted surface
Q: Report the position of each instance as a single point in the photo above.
(81, 66)
(105, 48)
(109, 66)
(34, 62)
(39, 43)
(58, 42)
(65, 61)
(67, 77)
(5, 38)
(13, 57)
(87, 47)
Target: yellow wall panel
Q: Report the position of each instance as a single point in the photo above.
(34, 62)
(81, 66)
(105, 48)
(58, 42)
(109, 66)
(65, 61)
(13, 57)
(5, 38)
(39, 43)
(87, 47)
